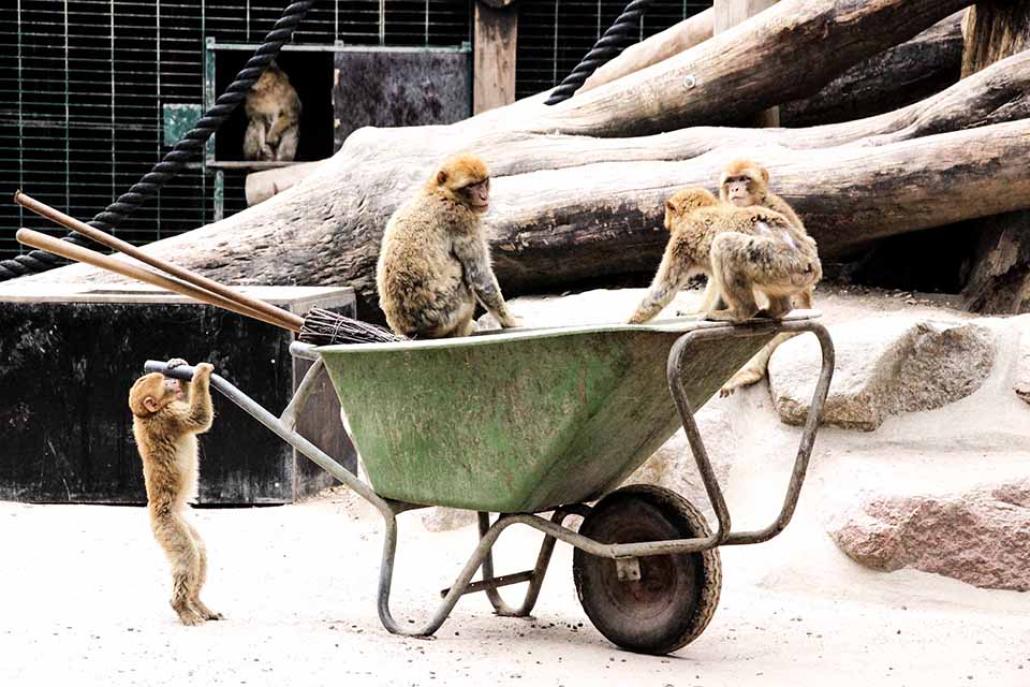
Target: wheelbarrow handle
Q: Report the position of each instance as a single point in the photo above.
(183, 372)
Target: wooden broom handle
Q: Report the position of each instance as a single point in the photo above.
(278, 316)
(79, 254)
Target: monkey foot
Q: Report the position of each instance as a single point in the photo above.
(764, 314)
(206, 613)
(722, 316)
(739, 380)
(190, 618)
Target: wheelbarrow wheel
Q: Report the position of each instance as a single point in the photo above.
(676, 595)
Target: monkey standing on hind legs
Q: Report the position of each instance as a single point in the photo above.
(167, 417)
(434, 262)
(743, 251)
(273, 111)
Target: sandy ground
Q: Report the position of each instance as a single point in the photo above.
(84, 599)
(83, 588)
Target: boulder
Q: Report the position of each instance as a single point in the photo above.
(981, 537)
(1022, 379)
(672, 466)
(885, 366)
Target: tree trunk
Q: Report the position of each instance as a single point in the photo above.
(663, 45)
(555, 227)
(729, 13)
(789, 51)
(903, 75)
(900, 76)
(573, 207)
(994, 29)
(999, 281)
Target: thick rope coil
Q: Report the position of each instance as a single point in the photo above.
(186, 149)
(622, 33)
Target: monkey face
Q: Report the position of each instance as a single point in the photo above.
(464, 179)
(739, 190)
(477, 196)
(176, 388)
(151, 393)
(743, 183)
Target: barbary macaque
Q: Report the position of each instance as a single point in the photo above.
(741, 250)
(434, 262)
(273, 113)
(745, 183)
(167, 417)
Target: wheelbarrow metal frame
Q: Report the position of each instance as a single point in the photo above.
(553, 528)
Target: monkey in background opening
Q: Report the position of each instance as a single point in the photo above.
(273, 111)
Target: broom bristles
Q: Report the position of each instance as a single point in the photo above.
(323, 328)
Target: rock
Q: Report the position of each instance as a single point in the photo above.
(981, 537)
(440, 519)
(672, 466)
(1022, 380)
(885, 366)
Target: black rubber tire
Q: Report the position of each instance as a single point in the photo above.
(676, 596)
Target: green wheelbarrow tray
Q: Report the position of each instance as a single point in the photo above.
(525, 421)
(520, 421)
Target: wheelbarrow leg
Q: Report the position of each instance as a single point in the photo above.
(455, 592)
(534, 577)
(463, 585)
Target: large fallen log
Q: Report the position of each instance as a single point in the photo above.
(903, 75)
(661, 46)
(555, 227)
(572, 207)
(900, 76)
(789, 51)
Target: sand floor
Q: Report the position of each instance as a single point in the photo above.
(83, 589)
(84, 600)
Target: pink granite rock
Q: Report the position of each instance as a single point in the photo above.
(981, 536)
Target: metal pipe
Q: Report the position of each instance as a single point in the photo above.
(306, 351)
(723, 534)
(301, 395)
(543, 560)
(491, 583)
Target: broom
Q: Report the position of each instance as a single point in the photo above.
(318, 326)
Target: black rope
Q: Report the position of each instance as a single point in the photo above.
(622, 33)
(183, 151)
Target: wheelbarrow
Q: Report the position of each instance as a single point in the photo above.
(536, 421)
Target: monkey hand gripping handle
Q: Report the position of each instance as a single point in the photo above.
(548, 420)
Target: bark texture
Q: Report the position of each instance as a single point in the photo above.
(999, 281)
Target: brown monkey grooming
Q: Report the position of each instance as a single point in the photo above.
(273, 111)
(742, 250)
(167, 417)
(434, 261)
(745, 183)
